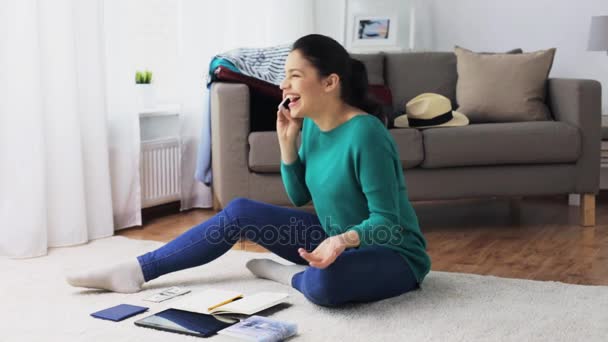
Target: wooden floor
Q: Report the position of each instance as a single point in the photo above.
(531, 238)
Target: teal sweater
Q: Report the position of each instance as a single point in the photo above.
(354, 177)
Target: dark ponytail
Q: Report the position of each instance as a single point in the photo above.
(359, 91)
(328, 57)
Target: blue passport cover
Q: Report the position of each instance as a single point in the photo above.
(119, 312)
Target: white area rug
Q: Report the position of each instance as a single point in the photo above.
(37, 304)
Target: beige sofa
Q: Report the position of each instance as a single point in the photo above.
(560, 156)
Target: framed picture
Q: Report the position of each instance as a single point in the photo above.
(374, 31)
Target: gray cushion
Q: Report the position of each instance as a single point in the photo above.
(540, 142)
(411, 74)
(265, 154)
(374, 63)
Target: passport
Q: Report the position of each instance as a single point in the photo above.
(119, 312)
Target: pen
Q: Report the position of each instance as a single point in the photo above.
(224, 302)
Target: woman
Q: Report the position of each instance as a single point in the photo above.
(363, 245)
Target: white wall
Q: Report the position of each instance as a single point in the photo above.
(499, 26)
(329, 18)
(154, 25)
(530, 25)
(440, 24)
(335, 18)
(165, 33)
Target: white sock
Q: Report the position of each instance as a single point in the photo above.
(125, 277)
(270, 269)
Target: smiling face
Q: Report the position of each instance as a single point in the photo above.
(302, 84)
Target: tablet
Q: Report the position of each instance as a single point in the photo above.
(186, 322)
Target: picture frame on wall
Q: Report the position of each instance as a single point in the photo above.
(377, 31)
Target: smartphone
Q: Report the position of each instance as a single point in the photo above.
(285, 103)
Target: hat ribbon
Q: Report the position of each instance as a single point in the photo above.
(438, 120)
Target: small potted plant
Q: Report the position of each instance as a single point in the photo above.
(143, 79)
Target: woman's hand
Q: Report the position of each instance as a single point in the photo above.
(288, 128)
(325, 253)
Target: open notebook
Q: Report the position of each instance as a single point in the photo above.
(216, 301)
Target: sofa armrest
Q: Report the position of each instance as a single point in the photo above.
(579, 102)
(229, 136)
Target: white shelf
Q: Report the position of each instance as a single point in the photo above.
(160, 122)
(162, 110)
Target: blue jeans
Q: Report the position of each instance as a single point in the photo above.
(357, 275)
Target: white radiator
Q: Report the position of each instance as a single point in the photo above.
(160, 171)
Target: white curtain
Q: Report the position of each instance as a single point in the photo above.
(122, 111)
(54, 168)
(208, 28)
(69, 133)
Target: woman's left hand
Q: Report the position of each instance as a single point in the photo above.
(325, 253)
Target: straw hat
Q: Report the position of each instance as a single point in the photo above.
(430, 110)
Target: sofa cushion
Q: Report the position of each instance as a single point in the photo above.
(374, 64)
(410, 74)
(409, 146)
(503, 87)
(539, 142)
(265, 154)
(414, 73)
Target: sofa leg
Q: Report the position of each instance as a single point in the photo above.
(588, 210)
(217, 206)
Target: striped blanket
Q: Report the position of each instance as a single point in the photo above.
(266, 64)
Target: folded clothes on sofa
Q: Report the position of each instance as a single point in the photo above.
(266, 64)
